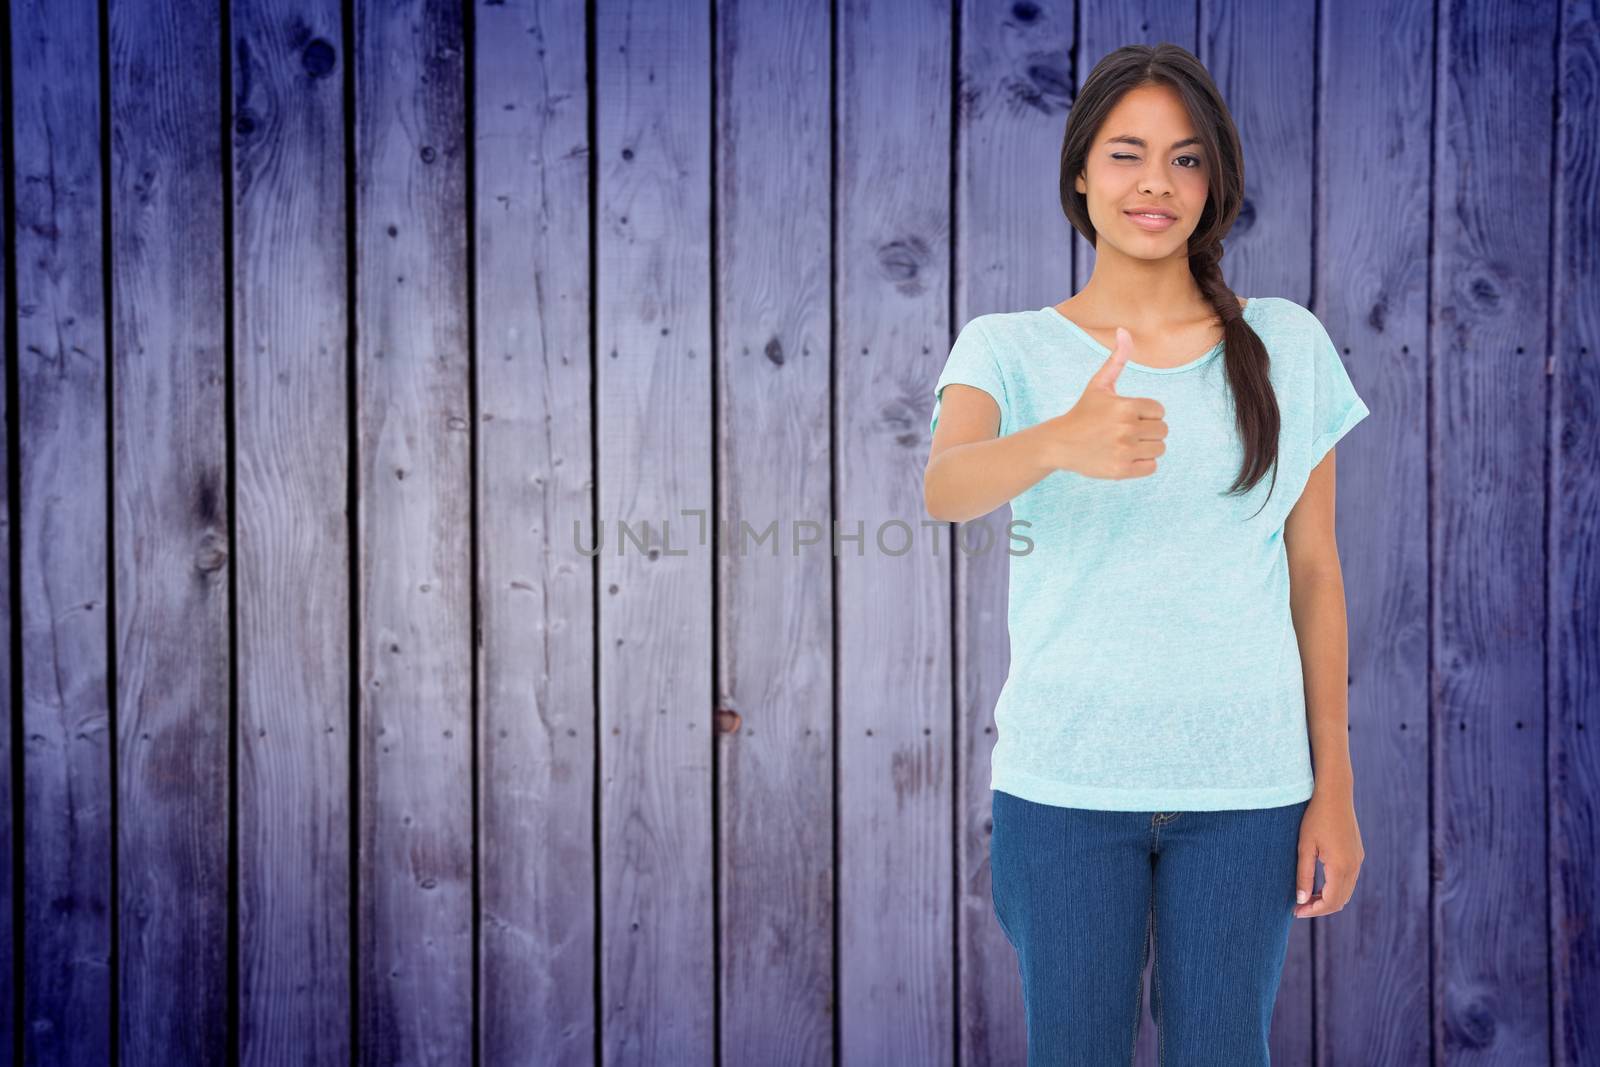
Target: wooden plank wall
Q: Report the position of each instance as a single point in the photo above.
(416, 418)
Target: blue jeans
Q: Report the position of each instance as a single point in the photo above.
(1083, 895)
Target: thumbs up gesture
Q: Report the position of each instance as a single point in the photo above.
(1105, 435)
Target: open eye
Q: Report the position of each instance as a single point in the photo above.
(1129, 155)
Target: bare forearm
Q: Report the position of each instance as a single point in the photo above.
(1317, 604)
(966, 481)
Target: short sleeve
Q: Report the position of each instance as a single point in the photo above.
(972, 361)
(1335, 406)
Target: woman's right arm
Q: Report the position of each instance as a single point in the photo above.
(970, 470)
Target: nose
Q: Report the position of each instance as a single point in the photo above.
(1153, 178)
(1153, 184)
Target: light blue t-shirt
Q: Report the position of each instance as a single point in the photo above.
(1154, 664)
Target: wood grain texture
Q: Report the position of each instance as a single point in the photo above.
(896, 750)
(12, 877)
(414, 521)
(665, 274)
(1493, 129)
(291, 466)
(170, 492)
(655, 438)
(1012, 250)
(1371, 292)
(775, 607)
(1574, 566)
(1263, 60)
(61, 545)
(536, 744)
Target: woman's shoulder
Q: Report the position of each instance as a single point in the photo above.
(1279, 312)
(1010, 334)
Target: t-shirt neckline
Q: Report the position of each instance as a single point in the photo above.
(1088, 338)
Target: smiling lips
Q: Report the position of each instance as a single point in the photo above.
(1146, 222)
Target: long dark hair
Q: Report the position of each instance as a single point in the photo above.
(1245, 356)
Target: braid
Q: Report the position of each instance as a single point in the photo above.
(1206, 266)
(1247, 361)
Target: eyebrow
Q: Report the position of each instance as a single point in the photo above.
(1128, 138)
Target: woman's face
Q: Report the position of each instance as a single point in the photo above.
(1168, 170)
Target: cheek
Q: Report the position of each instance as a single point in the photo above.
(1109, 185)
(1194, 181)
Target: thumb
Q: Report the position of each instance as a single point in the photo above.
(1305, 873)
(1106, 377)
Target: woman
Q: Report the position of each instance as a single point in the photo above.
(1171, 758)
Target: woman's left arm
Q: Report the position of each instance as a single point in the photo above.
(1328, 829)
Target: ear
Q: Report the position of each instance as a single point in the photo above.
(1078, 184)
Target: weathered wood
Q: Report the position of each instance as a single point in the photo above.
(1371, 292)
(535, 482)
(1012, 250)
(170, 491)
(414, 562)
(61, 547)
(775, 864)
(11, 874)
(291, 462)
(659, 899)
(1574, 568)
(655, 438)
(1490, 328)
(897, 987)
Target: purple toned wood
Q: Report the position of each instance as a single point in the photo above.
(1271, 93)
(775, 697)
(655, 439)
(1574, 621)
(10, 871)
(291, 301)
(61, 541)
(170, 492)
(896, 750)
(1371, 293)
(1379, 164)
(1012, 251)
(413, 423)
(1491, 250)
(535, 480)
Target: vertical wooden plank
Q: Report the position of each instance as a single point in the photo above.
(171, 521)
(1106, 26)
(10, 868)
(654, 440)
(414, 555)
(896, 849)
(1373, 198)
(12, 938)
(1263, 58)
(535, 482)
(1574, 625)
(291, 303)
(1012, 251)
(775, 697)
(1495, 85)
(61, 539)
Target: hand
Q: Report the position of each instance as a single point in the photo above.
(1105, 435)
(1328, 832)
